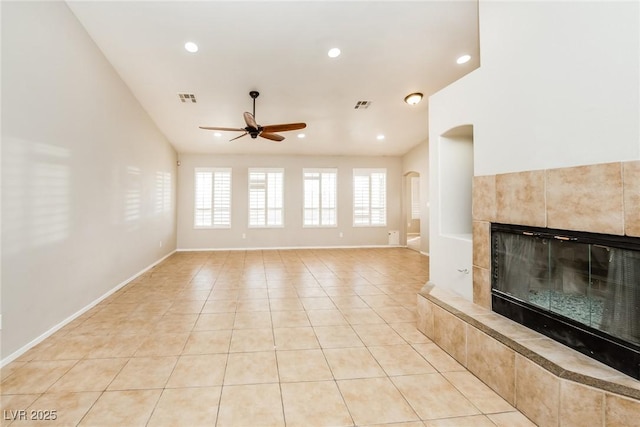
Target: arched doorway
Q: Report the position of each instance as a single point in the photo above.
(412, 210)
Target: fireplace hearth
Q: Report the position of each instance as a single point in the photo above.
(581, 289)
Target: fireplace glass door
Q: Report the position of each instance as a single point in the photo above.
(591, 283)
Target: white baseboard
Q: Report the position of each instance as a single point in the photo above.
(13, 356)
(284, 248)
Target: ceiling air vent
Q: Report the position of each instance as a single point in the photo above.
(362, 105)
(187, 97)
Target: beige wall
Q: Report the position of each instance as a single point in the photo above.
(88, 181)
(292, 234)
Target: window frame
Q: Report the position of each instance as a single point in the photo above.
(369, 173)
(266, 208)
(320, 208)
(213, 171)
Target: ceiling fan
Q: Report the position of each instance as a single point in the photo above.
(255, 130)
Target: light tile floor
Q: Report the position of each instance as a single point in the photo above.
(254, 338)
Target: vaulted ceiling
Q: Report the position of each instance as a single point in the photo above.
(388, 50)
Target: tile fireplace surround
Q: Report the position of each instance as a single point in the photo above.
(550, 383)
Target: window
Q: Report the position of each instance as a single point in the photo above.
(320, 198)
(266, 197)
(369, 197)
(415, 197)
(213, 198)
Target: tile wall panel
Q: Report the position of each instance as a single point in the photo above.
(482, 244)
(484, 198)
(492, 362)
(580, 405)
(537, 392)
(621, 411)
(520, 198)
(586, 198)
(482, 287)
(631, 182)
(449, 334)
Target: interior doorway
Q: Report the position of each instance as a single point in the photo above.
(412, 210)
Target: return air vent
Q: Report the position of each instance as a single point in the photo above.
(186, 97)
(362, 105)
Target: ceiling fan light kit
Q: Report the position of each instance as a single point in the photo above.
(254, 129)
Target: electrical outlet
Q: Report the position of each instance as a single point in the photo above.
(244, 235)
(341, 234)
(160, 243)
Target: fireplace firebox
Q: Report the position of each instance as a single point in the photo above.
(580, 289)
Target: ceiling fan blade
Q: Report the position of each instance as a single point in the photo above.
(272, 136)
(284, 127)
(250, 120)
(219, 128)
(233, 139)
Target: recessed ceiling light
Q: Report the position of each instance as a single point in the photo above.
(463, 59)
(413, 98)
(380, 137)
(301, 135)
(333, 52)
(217, 134)
(191, 47)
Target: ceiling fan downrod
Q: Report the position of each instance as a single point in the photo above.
(254, 94)
(253, 129)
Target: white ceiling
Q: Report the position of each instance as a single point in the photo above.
(389, 49)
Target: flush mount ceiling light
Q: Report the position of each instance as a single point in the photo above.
(463, 59)
(413, 98)
(333, 52)
(217, 134)
(380, 137)
(301, 135)
(191, 47)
